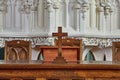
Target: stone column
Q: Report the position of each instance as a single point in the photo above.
(93, 15)
(100, 18)
(34, 12)
(8, 16)
(41, 15)
(13, 15)
(77, 16)
(85, 16)
(67, 14)
(57, 17)
(112, 16)
(3, 9)
(27, 12)
(50, 16)
(18, 26)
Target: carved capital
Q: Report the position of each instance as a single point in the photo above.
(77, 4)
(100, 42)
(28, 6)
(56, 4)
(3, 6)
(48, 4)
(100, 9)
(107, 7)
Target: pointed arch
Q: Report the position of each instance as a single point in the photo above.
(89, 56)
(104, 58)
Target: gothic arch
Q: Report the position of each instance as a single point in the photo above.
(89, 56)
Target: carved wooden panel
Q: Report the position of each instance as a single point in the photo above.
(69, 42)
(79, 79)
(116, 51)
(16, 79)
(68, 79)
(72, 42)
(17, 50)
(70, 53)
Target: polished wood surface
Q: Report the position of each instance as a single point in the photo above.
(70, 53)
(116, 51)
(72, 71)
(72, 42)
(71, 50)
(93, 65)
(17, 50)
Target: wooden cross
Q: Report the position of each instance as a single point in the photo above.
(59, 35)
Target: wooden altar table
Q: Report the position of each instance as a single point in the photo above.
(36, 70)
(70, 53)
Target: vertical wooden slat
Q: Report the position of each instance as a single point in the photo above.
(65, 79)
(89, 79)
(40, 78)
(81, 50)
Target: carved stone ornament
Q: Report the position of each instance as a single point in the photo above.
(28, 5)
(100, 42)
(3, 6)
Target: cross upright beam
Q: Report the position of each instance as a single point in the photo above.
(59, 58)
(60, 35)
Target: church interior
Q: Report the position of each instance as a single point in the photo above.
(59, 39)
